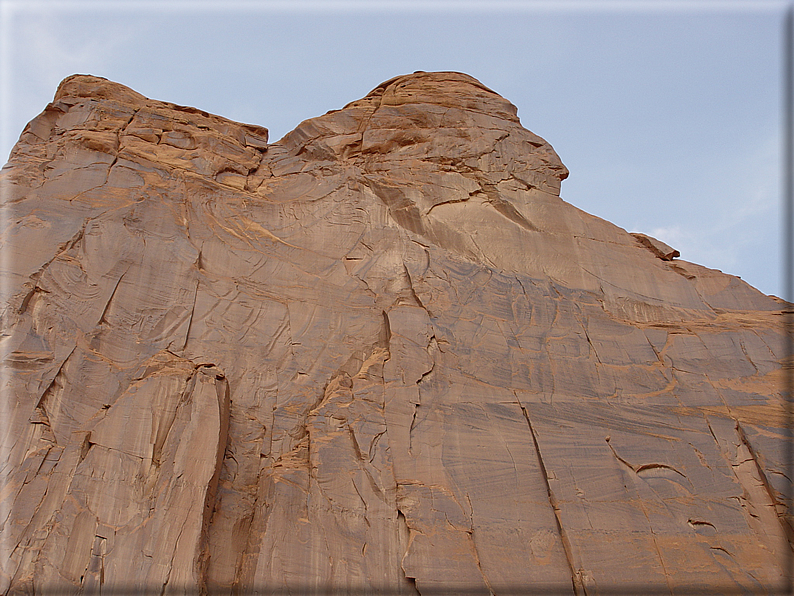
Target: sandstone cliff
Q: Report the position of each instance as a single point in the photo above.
(381, 354)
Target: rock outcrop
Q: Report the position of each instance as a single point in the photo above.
(381, 354)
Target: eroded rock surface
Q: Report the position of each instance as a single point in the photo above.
(380, 354)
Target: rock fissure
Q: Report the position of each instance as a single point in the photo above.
(575, 573)
(110, 299)
(402, 521)
(777, 506)
(470, 535)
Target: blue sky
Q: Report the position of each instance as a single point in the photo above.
(667, 113)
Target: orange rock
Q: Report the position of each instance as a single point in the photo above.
(380, 354)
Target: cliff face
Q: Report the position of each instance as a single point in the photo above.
(381, 353)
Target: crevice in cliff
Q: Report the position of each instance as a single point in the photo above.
(501, 206)
(171, 562)
(110, 299)
(448, 202)
(617, 457)
(711, 431)
(354, 150)
(28, 297)
(251, 544)
(413, 292)
(404, 532)
(126, 125)
(432, 349)
(659, 355)
(590, 344)
(411, 429)
(780, 508)
(656, 547)
(746, 355)
(506, 209)
(363, 502)
(33, 279)
(168, 421)
(85, 447)
(222, 393)
(643, 467)
(406, 538)
(119, 133)
(384, 336)
(192, 312)
(93, 576)
(476, 554)
(636, 470)
(576, 576)
(481, 257)
(523, 288)
(52, 386)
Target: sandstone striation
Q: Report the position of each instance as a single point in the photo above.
(381, 354)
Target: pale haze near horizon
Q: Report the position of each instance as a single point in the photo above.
(669, 120)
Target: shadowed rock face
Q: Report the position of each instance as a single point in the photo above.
(380, 354)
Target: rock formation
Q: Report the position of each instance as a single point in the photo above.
(380, 355)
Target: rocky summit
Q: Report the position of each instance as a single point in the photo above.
(381, 355)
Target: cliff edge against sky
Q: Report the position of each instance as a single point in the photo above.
(381, 353)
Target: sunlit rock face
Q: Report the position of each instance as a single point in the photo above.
(381, 354)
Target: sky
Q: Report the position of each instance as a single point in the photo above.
(668, 113)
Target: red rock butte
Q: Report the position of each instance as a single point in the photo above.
(381, 355)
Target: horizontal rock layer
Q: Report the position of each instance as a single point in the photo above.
(381, 354)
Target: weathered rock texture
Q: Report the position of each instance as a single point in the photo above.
(380, 354)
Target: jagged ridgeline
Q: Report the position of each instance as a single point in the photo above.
(381, 355)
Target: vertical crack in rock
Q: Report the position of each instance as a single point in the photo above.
(404, 532)
(576, 576)
(85, 447)
(164, 429)
(483, 256)
(42, 402)
(473, 544)
(413, 292)
(171, 561)
(711, 431)
(224, 405)
(747, 355)
(23, 307)
(432, 350)
(476, 555)
(384, 336)
(250, 545)
(33, 279)
(119, 134)
(636, 471)
(110, 299)
(94, 574)
(406, 539)
(411, 428)
(192, 309)
(779, 508)
(589, 341)
(503, 207)
(355, 148)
